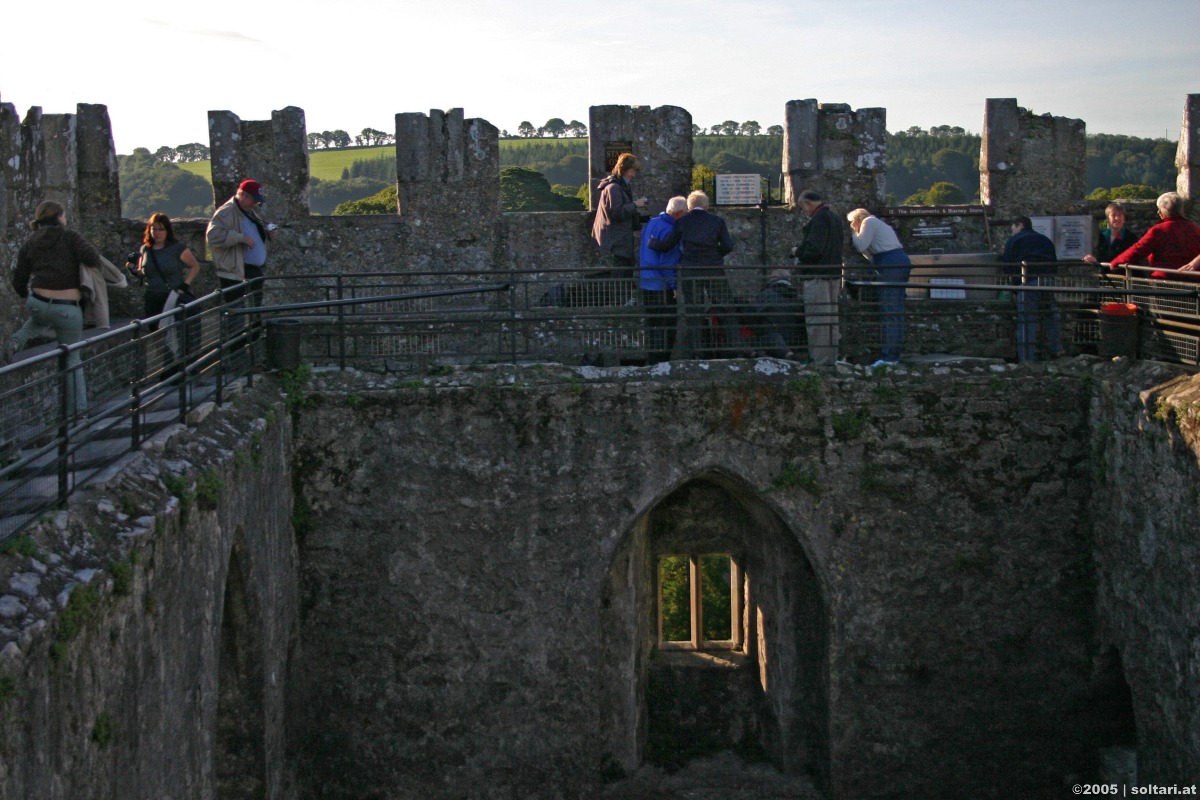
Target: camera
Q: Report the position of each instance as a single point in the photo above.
(132, 271)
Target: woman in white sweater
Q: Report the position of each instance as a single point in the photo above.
(876, 240)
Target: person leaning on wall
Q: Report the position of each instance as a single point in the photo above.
(1115, 239)
(657, 280)
(47, 276)
(876, 240)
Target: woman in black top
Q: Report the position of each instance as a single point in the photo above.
(167, 263)
(47, 276)
(1116, 239)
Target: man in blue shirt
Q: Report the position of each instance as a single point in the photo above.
(1037, 256)
(657, 280)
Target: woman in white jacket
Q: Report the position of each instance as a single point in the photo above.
(876, 240)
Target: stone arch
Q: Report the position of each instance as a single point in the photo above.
(240, 742)
(1110, 721)
(782, 674)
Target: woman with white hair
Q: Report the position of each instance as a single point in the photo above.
(876, 240)
(1173, 243)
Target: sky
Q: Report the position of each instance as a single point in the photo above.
(1123, 67)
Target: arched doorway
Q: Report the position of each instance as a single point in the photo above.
(239, 747)
(754, 680)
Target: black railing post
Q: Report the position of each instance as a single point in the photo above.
(222, 331)
(65, 386)
(341, 325)
(135, 389)
(182, 361)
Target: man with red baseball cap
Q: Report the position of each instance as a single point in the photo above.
(238, 237)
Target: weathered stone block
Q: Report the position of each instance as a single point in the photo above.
(660, 137)
(1030, 165)
(99, 187)
(272, 152)
(1187, 155)
(61, 162)
(448, 173)
(835, 151)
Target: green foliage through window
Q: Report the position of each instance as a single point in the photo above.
(675, 592)
(715, 595)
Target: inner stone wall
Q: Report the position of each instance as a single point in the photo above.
(460, 565)
(1147, 454)
(968, 553)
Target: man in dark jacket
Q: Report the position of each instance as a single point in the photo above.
(705, 239)
(1036, 253)
(820, 257)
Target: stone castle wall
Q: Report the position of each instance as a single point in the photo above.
(1146, 444)
(146, 642)
(476, 554)
(941, 562)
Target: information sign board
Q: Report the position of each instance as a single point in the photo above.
(1072, 235)
(931, 232)
(947, 294)
(613, 151)
(739, 190)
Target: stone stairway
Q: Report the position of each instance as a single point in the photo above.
(91, 447)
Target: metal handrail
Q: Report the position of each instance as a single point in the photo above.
(217, 346)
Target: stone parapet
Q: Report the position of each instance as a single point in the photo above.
(448, 168)
(273, 152)
(1030, 165)
(661, 138)
(833, 150)
(68, 158)
(1187, 156)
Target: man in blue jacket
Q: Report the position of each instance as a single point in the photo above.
(706, 240)
(1037, 255)
(657, 280)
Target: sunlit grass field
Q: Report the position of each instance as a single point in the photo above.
(327, 165)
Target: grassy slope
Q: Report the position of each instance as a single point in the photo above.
(324, 164)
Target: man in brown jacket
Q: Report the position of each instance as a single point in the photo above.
(238, 238)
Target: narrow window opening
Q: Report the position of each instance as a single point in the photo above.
(699, 602)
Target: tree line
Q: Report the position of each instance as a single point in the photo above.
(368, 137)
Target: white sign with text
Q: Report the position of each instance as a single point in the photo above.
(739, 190)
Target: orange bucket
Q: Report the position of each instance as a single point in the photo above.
(1119, 309)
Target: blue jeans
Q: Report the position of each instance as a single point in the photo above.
(65, 320)
(892, 266)
(1034, 308)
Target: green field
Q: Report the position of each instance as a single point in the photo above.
(326, 165)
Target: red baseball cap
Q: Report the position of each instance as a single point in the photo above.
(254, 189)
